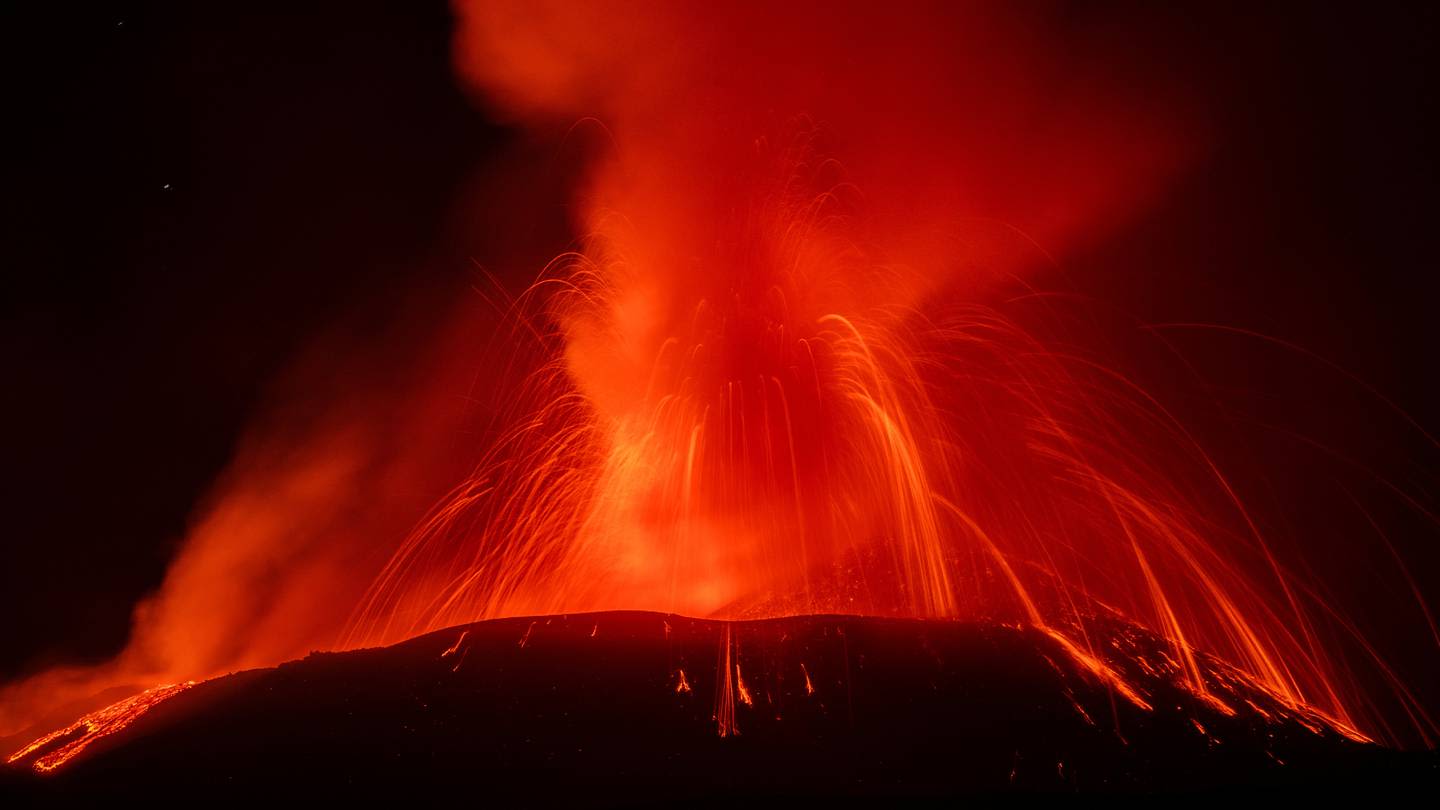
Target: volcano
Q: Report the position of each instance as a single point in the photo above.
(627, 706)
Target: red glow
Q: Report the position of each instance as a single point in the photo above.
(58, 747)
(765, 397)
(775, 379)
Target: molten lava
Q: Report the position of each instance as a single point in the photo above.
(829, 705)
(58, 747)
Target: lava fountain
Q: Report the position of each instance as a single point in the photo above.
(784, 429)
(755, 395)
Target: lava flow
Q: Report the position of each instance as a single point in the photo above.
(58, 747)
(789, 370)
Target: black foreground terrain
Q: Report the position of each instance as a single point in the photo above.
(625, 707)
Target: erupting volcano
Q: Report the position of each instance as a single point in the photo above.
(782, 430)
(800, 451)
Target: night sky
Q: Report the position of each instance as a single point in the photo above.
(194, 191)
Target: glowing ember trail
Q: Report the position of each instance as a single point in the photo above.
(58, 747)
(741, 688)
(456, 648)
(725, 685)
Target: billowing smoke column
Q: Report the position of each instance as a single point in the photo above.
(734, 417)
(775, 377)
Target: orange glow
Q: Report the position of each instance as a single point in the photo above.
(58, 747)
(764, 396)
(775, 378)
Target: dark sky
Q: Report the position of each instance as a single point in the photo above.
(193, 193)
(193, 190)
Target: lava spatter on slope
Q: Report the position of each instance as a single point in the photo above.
(58, 747)
(589, 706)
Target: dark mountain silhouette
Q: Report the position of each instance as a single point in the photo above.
(623, 707)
